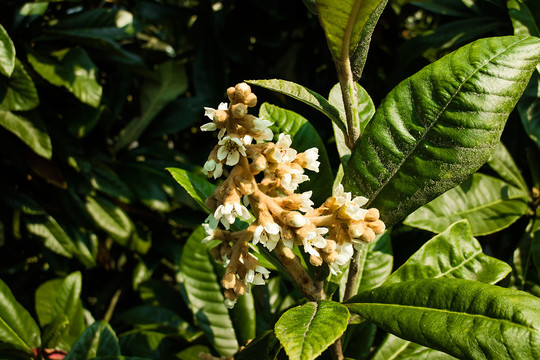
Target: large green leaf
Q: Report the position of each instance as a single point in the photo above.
(467, 319)
(440, 125)
(304, 137)
(30, 130)
(110, 218)
(203, 291)
(501, 161)
(72, 69)
(96, 341)
(454, 253)
(344, 22)
(17, 328)
(488, 203)
(396, 348)
(52, 233)
(365, 108)
(307, 330)
(21, 94)
(197, 186)
(305, 95)
(7, 53)
(529, 109)
(166, 84)
(58, 299)
(525, 16)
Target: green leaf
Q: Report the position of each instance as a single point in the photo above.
(21, 94)
(264, 347)
(104, 179)
(61, 299)
(197, 186)
(244, 318)
(344, 22)
(7, 53)
(440, 125)
(307, 330)
(365, 108)
(72, 69)
(467, 319)
(97, 340)
(17, 328)
(396, 348)
(488, 203)
(378, 263)
(166, 84)
(110, 218)
(529, 109)
(204, 294)
(304, 95)
(30, 130)
(454, 253)
(304, 137)
(501, 161)
(525, 16)
(54, 236)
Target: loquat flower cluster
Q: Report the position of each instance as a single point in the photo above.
(263, 178)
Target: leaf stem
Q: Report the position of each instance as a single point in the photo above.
(346, 82)
(357, 264)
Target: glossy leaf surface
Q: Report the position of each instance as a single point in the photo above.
(440, 125)
(204, 294)
(501, 161)
(464, 318)
(21, 93)
(307, 330)
(97, 340)
(7, 53)
(488, 203)
(396, 348)
(529, 109)
(196, 185)
(525, 16)
(17, 327)
(304, 137)
(454, 253)
(344, 22)
(304, 95)
(30, 130)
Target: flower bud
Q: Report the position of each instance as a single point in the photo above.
(242, 91)
(356, 229)
(330, 246)
(251, 100)
(259, 163)
(368, 235)
(295, 219)
(288, 255)
(240, 288)
(220, 117)
(230, 93)
(239, 110)
(315, 260)
(377, 226)
(372, 215)
(331, 257)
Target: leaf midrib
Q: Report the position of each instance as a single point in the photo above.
(14, 333)
(452, 312)
(435, 121)
(489, 204)
(302, 349)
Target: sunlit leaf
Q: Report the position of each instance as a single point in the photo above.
(21, 94)
(97, 340)
(440, 125)
(197, 186)
(7, 53)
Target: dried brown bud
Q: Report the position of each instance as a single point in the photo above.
(377, 226)
(315, 260)
(240, 288)
(372, 215)
(251, 100)
(229, 280)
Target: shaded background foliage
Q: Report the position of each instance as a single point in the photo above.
(87, 191)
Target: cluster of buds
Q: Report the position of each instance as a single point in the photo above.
(264, 176)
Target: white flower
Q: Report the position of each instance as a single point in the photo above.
(305, 201)
(345, 253)
(341, 196)
(292, 178)
(311, 156)
(257, 276)
(268, 235)
(209, 112)
(212, 168)
(262, 130)
(315, 239)
(354, 208)
(231, 148)
(229, 303)
(283, 153)
(210, 232)
(227, 213)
